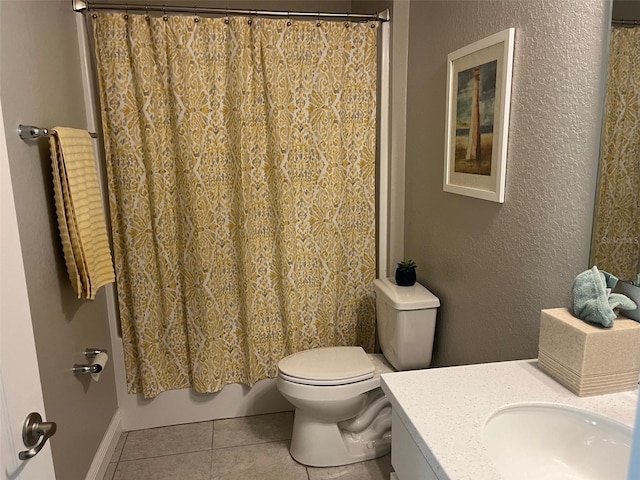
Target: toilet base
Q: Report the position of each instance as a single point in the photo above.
(317, 443)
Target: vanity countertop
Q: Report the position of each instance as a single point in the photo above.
(445, 409)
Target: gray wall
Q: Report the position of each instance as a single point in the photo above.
(40, 83)
(370, 6)
(495, 266)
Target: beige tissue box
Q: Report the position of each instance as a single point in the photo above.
(587, 359)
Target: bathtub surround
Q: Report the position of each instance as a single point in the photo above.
(241, 164)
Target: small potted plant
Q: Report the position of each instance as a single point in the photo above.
(406, 273)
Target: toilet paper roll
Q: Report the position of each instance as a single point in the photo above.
(98, 363)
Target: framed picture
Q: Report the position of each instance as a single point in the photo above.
(478, 101)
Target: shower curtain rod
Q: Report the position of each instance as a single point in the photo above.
(83, 5)
(619, 22)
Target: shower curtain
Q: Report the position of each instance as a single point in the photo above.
(241, 170)
(616, 233)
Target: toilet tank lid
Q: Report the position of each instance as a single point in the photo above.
(415, 297)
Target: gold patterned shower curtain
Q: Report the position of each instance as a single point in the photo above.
(241, 170)
(616, 239)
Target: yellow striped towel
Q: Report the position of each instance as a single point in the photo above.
(81, 220)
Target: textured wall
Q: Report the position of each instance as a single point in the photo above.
(40, 83)
(495, 266)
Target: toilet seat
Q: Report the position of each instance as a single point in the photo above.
(329, 366)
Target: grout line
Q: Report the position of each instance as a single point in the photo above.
(213, 432)
(165, 455)
(249, 416)
(253, 444)
(113, 474)
(170, 426)
(203, 450)
(124, 444)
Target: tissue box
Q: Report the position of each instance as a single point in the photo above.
(588, 359)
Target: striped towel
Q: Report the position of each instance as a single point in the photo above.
(80, 211)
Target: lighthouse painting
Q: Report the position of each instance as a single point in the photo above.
(475, 119)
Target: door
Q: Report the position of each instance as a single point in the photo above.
(20, 390)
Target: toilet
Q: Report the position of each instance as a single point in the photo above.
(342, 416)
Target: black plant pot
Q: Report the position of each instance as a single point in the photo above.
(405, 278)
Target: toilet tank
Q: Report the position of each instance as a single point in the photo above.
(406, 319)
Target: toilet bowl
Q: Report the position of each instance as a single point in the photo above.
(342, 416)
(337, 421)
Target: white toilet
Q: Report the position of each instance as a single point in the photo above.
(342, 416)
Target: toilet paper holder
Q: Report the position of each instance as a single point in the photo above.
(90, 353)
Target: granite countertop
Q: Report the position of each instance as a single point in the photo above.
(445, 409)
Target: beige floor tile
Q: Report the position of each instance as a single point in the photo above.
(155, 442)
(255, 429)
(119, 446)
(111, 469)
(376, 469)
(265, 461)
(186, 466)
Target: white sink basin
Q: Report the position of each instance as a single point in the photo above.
(547, 441)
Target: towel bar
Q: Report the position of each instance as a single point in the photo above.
(29, 132)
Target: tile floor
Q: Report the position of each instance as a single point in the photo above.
(244, 448)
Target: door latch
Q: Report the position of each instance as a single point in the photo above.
(35, 434)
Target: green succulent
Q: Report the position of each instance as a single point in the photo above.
(407, 265)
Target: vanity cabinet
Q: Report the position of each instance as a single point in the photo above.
(439, 414)
(406, 458)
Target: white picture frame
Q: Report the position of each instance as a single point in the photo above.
(477, 117)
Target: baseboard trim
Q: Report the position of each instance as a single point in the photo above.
(107, 447)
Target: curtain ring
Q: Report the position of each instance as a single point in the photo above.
(250, 21)
(196, 18)
(288, 18)
(126, 12)
(146, 10)
(94, 15)
(226, 17)
(318, 22)
(346, 25)
(164, 14)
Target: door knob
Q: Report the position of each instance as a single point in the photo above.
(35, 434)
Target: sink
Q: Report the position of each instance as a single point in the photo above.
(548, 441)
